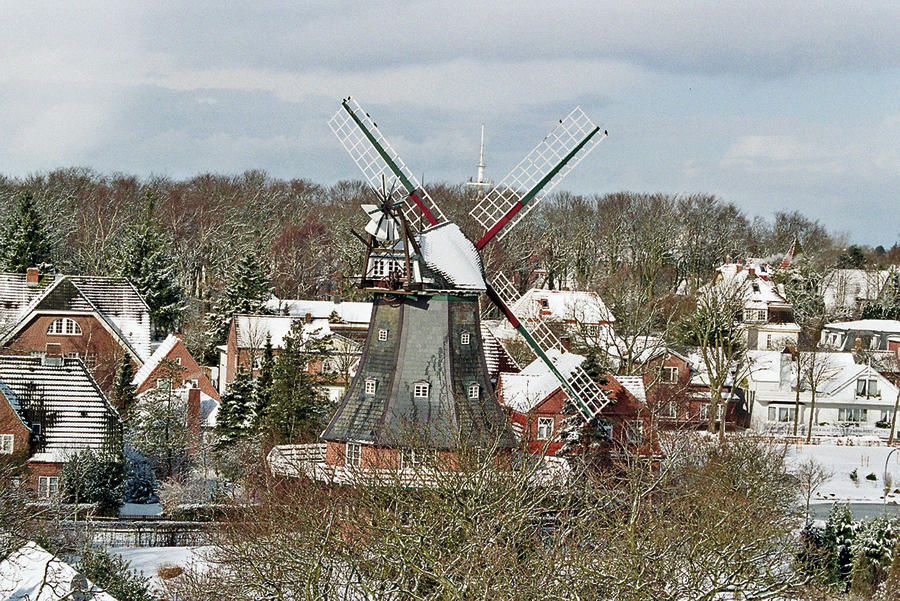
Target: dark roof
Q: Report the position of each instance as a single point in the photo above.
(114, 299)
(423, 345)
(72, 410)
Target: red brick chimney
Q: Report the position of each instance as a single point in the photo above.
(32, 275)
(193, 411)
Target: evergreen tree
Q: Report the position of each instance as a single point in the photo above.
(852, 258)
(90, 477)
(146, 264)
(114, 575)
(235, 418)
(265, 381)
(123, 394)
(25, 240)
(246, 291)
(298, 408)
(862, 577)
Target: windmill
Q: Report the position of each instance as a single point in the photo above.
(422, 362)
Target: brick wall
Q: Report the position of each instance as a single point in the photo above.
(11, 424)
(191, 371)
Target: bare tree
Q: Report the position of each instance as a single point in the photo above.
(811, 475)
(820, 368)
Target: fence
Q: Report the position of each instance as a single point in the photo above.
(128, 533)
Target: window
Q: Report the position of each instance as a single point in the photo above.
(668, 409)
(382, 335)
(72, 355)
(787, 414)
(669, 375)
(544, 428)
(6, 444)
(177, 360)
(64, 327)
(852, 414)
(593, 330)
(420, 390)
(607, 431)
(377, 268)
(464, 338)
(90, 360)
(755, 315)
(704, 411)
(194, 383)
(474, 391)
(371, 384)
(545, 304)
(354, 454)
(48, 486)
(412, 458)
(634, 431)
(886, 415)
(867, 387)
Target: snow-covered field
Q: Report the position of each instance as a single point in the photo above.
(842, 460)
(149, 559)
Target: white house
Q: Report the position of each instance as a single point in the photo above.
(767, 317)
(850, 399)
(863, 335)
(583, 314)
(846, 289)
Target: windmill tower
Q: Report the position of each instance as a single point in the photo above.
(422, 379)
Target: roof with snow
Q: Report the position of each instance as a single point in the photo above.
(447, 252)
(349, 312)
(115, 300)
(72, 410)
(253, 329)
(888, 326)
(754, 276)
(840, 369)
(33, 574)
(155, 359)
(846, 287)
(563, 305)
(634, 385)
(523, 391)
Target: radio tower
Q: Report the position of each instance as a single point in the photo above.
(479, 183)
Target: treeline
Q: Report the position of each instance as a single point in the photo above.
(199, 229)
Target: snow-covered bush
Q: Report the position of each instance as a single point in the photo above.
(92, 477)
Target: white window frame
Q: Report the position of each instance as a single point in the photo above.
(48, 486)
(545, 428)
(464, 338)
(64, 326)
(413, 458)
(634, 431)
(371, 385)
(353, 454)
(378, 268)
(421, 390)
(7, 442)
(869, 388)
(853, 415)
(668, 409)
(382, 335)
(474, 392)
(669, 374)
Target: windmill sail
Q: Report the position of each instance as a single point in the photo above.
(587, 396)
(541, 169)
(378, 162)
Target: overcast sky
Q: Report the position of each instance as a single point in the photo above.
(772, 105)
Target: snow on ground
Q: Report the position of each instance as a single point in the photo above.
(149, 559)
(130, 510)
(843, 459)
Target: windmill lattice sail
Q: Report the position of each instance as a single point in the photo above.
(535, 175)
(589, 398)
(379, 162)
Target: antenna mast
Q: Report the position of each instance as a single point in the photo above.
(479, 183)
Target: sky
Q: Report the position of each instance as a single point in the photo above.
(771, 105)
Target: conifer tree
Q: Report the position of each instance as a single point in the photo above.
(298, 408)
(25, 240)
(146, 264)
(235, 418)
(246, 291)
(264, 384)
(124, 392)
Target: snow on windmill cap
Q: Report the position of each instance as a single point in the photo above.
(446, 250)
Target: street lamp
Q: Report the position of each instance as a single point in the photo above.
(884, 475)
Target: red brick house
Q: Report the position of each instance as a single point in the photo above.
(191, 374)
(51, 407)
(537, 405)
(96, 319)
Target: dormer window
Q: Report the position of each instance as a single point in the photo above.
(382, 335)
(545, 303)
(64, 327)
(755, 287)
(464, 338)
(867, 388)
(371, 385)
(474, 392)
(421, 390)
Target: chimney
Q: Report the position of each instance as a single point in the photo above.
(193, 411)
(858, 344)
(308, 318)
(32, 276)
(751, 271)
(739, 268)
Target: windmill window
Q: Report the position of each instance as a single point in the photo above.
(354, 454)
(544, 428)
(421, 390)
(474, 391)
(371, 384)
(64, 327)
(48, 486)
(382, 334)
(377, 268)
(464, 338)
(6, 444)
